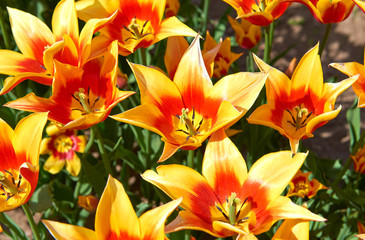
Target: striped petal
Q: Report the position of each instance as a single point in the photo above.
(173, 27)
(64, 20)
(113, 205)
(293, 229)
(192, 78)
(153, 221)
(175, 49)
(223, 166)
(7, 153)
(181, 181)
(269, 176)
(31, 34)
(308, 76)
(63, 231)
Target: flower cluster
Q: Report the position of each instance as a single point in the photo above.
(110, 85)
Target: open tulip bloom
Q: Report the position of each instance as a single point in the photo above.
(40, 46)
(19, 154)
(138, 23)
(353, 69)
(226, 200)
(298, 106)
(81, 97)
(259, 12)
(189, 109)
(116, 219)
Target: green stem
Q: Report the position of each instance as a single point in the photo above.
(205, 15)
(143, 56)
(89, 144)
(187, 235)
(3, 28)
(268, 33)
(32, 224)
(325, 38)
(191, 159)
(15, 231)
(100, 141)
(343, 171)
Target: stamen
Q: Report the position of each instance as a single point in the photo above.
(299, 121)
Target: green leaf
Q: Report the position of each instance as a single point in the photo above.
(41, 199)
(353, 118)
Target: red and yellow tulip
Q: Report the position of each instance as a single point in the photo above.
(226, 200)
(259, 12)
(298, 106)
(329, 11)
(81, 97)
(115, 219)
(359, 160)
(224, 58)
(137, 24)
(352, 69)
(40, 46)
(172, 8)
(301, 186)
(248, 35)
(62, 146)
(189, 109)
(19, 154)
(293, 229)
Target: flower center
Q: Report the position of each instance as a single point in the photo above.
(84, 100)
(188, 125)
(300, 118)
(63, 144)
(301, 187)
(238, 211)
(10, 184)
(137, 29)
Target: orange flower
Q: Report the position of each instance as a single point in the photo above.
(19, 154)
(329, 11)
(359, 160)
(301, 186)
(226, 200)
(175, 49)
(89, 202)
(259, 12)
(189, 109)
(248, 35)
(62, 146)
(172, 7)
(352, 69)
(360, 227)
(138, 23)
(81, 97)
(299, 106)
(40, 46)
(116, 219)
(224, 58)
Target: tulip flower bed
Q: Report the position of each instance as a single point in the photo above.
(136, 119)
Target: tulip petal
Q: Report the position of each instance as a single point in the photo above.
(181, 181)
(187, 220)
(153, 221)
(157, 89)
(241, 89)
(173, 27)
(114, 204)
(293, 229)
(31, 34)
(27, 137)
(7, 153)
(63, 231)
(54, 165)
(269, 176)
(175, 49)
(64, 20)
(278, 85)
(11, 82)
(192, 78)
(13, 63)
(223, 166)
(308, 76)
